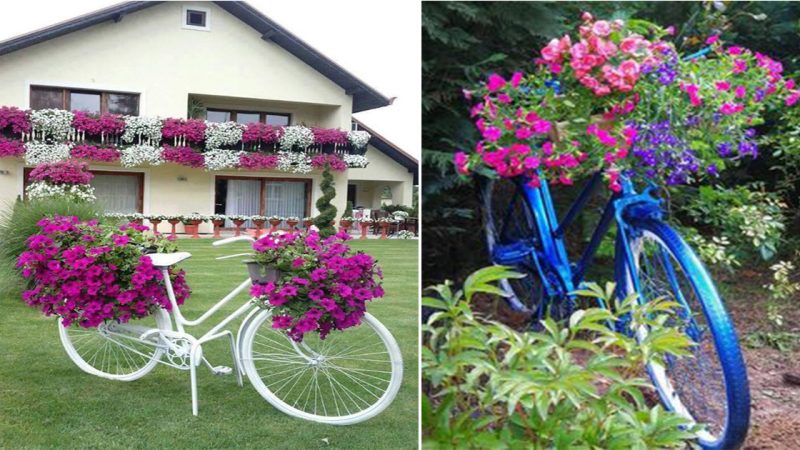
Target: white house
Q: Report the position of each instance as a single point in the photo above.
(222, 61)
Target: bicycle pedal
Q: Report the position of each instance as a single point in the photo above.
(222, 370)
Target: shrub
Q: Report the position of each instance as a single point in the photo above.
(578, 384)
(327, 212)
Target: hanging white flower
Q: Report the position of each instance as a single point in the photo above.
(222, 159)
(54, 123)
(358, 138)
(140, 155)
(220, 134)
(37, 153)
(295, 162)
(356, 160)
(146, 129)
(296, 136)
(42, 189)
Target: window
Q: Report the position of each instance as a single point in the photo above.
(195, 18)
(43, 97)
(264, 196)
(117, 192)
(222, 115)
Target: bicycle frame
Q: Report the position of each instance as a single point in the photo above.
(560, 277)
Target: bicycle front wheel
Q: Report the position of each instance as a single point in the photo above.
(347, 378)
(709, 387)
(115, 351)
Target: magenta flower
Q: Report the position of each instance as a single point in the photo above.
(92, 153)
(120, 240)
(495, 82)
(184, 156)
(62, 172)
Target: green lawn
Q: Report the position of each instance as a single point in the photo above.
(46, 401)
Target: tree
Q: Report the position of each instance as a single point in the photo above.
(327, 212)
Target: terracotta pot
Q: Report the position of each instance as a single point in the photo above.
(345, 224)
(217, 225)
(307, 224)
(137, 221)
(292, 224)
(190, 228)
(259, 223)
(384, 228)
(155, 223)
(173, 222)
(364, 229)
(273, 223)
(238, 223)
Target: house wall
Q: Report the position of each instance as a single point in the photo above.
(383, 170)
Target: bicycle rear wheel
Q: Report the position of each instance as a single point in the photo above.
(113, 350)
(710, 387)
(508, 223)
(347, 378)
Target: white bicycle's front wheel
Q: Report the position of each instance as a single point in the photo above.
(347, 378)
(115, 351)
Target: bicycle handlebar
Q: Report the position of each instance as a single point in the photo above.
(231, 240)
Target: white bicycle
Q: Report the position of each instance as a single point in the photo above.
(347, 378)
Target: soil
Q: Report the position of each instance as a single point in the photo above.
(775, 422)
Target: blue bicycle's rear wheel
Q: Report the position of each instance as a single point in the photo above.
(710, 387)
(508, 222)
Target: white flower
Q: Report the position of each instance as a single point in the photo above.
(296, 136)
(140, 155)
(146, 129)
(405, 234)
(54, 123)
(293, 219)
(37, 153)
(222, 159)
(219, 134)
(400, 214)
(356, 160)
(77, 192)
(358, 138)
(295, 162)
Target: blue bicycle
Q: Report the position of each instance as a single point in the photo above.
(652, 260)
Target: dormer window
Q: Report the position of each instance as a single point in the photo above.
(196, 18)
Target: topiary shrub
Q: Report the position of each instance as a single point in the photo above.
(327, 212)
(576, 384)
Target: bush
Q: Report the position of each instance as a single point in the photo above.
(327, 212)
(574, 385)
(17, 223)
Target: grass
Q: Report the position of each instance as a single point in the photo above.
(46, 401)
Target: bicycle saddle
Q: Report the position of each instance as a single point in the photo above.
(168, 259)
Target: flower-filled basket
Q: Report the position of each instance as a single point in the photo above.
(89, 273)
(319, 284)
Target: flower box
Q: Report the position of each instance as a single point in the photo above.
(261, 274)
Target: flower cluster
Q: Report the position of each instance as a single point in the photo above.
(15, 118)
(296, 136)
(323, 285)
(331, 162)
(222, 134)
(295, 162)
(358, 138)
(104, 124)
(93, 153)
(89, 274)
(222, 159)
(329, 136)
(193, 130)
(359, 161)
(51, 123)
(258, 161)
(11, 148)
(62, 172)
(142, 130)
(184, 156)
(260, 132)
(38, 152)
(75, 192)
(615, 100)
(141, 155)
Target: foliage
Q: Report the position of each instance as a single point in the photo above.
(322, 285)
(348, 209)
(18, 221)
(570, 385)
(327, 212)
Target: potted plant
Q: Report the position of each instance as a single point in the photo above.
(238, 221)
(307, 222)
(259, 222)
(329, 138)
(400, 215)
(292, 222)
(300, 300)
(364, 223)
(137, 218)
(155, 220)
(384, 223)
(274, 221)
(174, 220)
(218, 220)
(346, 222)
(191, 224)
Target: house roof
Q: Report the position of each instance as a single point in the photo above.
(391, 150)
(364, 96)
